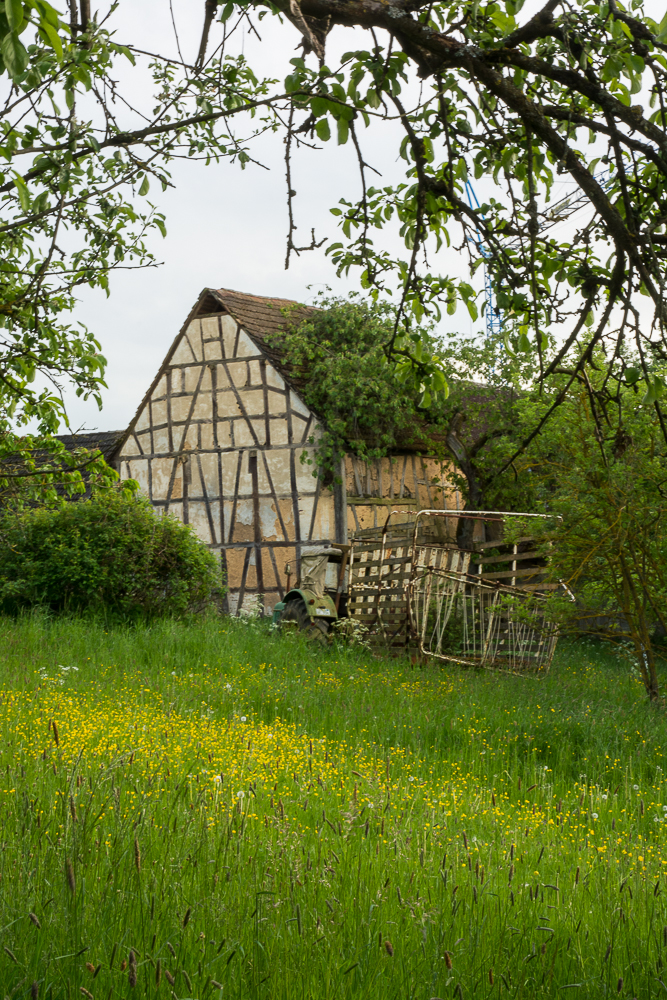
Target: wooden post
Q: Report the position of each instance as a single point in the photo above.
(340, 504)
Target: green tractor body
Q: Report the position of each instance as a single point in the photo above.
(311, 609)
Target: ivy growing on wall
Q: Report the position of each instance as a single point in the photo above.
(369, 406)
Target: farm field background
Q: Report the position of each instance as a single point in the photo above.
(210, 810)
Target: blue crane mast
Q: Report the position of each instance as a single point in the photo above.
(558, 212)
(492, 315)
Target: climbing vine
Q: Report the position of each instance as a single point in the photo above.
(369, 405)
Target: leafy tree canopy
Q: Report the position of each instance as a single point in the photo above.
(471, 91)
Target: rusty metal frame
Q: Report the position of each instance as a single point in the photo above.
(463, 586)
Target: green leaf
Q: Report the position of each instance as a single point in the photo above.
(145, 185)
(47, 12)
(14, 55)
(23, 193)
(319, 106)
(343, 127)
(226, 12)
(632, 375)
(650, 396)
(323, 130)
(51, 36)
(524, 341)
(14, 12)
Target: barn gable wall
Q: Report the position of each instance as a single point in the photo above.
(218, 443)
(223, 442)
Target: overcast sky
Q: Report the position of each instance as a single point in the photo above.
(226, 227)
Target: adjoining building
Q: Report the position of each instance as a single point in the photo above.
(223, 440)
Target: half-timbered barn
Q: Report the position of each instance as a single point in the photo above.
(224, 440)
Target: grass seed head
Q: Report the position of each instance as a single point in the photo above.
(186, 918)
(56, 735)
(132, 970)
(34, 990)
(448, 960)
(69, 875)
(389, 948)
(86, 993)
(168, 976)
(35, 921)
(137, 855)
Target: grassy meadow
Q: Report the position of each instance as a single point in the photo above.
(210, 810)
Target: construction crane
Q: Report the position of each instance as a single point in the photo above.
(555, 213)
(492, 315)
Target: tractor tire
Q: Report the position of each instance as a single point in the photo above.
(295, 611)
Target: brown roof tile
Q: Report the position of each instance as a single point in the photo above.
(263, 318)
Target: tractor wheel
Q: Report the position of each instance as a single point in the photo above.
(295, 611)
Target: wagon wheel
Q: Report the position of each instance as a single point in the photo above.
(295, 611)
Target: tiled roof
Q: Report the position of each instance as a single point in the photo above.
(106, 441)
(263, 318)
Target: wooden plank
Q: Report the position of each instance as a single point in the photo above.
(512, 557)
(496, 544)
(518, 573)
(380, 502)
(383, 617)
(387, 561)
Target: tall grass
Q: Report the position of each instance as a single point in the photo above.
(210, 810)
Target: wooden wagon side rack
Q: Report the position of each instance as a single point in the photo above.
(410, 585)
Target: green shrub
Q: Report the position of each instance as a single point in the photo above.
(110, 554)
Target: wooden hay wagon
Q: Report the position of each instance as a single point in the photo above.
(412, 587)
